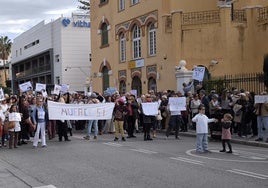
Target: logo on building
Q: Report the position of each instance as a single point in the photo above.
(78, 23)
(65, 22)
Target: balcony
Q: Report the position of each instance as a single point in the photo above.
(33, 71)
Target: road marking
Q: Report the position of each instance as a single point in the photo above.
(252, 155)
(192, 153)
(46, 186)
(188, 160)
(247, 173)
(144, 151)
(113, 144)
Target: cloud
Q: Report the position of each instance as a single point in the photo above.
(17, 16)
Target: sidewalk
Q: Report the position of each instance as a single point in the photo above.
(235, 139)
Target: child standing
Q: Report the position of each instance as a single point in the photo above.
(226, 123)
(202, 121)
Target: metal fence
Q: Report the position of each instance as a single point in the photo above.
(249, 82)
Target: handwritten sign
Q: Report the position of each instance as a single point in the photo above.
(261, 98)
(150, 108)
(40, 87)
(60, 111)
(14, 116)
(134, 92)
(64, 88)
(57, 89)
(177, 103)
(198, 73)
(27, 86)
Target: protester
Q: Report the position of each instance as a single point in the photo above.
(92, 100)
(262, 119)
(175, 120)
(132, 115)
(194, 104)
(14, 132)
(26, 122)
(62, 124)
(4, 107)
(202, 130)
(40, 118)
(226, 124)
(51, 125)
(148, 121)
(120, 110)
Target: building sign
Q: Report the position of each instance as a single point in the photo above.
(136, 64)
(78, 23)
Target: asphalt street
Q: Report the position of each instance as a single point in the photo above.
(135, 163)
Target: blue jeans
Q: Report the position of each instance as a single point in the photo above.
(201, 142)
(262, 122)
(89, 127)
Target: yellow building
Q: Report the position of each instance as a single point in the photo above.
(136, 44)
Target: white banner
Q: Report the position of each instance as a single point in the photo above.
(177, 103)
(150, 108)
(198, 73)
(261, 98)
(14, 116)
(60, 111)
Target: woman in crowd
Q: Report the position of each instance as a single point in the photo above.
(14, 132)
(40, 118)
(194, 104)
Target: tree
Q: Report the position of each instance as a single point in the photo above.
(5, 50)
(85, 5)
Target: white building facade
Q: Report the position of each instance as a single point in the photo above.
(58, 52)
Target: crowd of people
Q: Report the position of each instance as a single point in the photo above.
(230, 111)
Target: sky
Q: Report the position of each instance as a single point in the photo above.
(18, 16)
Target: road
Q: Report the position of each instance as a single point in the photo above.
(135, 163)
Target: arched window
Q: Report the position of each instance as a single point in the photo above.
(105, 78)
(136, 45)
(152, 84)
(152, 39)
(122, 50)
(136, 85)
(121, 5)
(122, 87)
(104, 34)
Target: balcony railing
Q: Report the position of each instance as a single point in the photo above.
(263, 15)
(204, 17)
(33, 71)
(239, 16)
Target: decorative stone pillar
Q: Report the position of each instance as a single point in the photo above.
(183, 75)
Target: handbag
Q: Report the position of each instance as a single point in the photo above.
(159, 117)
(11, 124)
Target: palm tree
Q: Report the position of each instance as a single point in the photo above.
(85, 5)
(5, 50)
